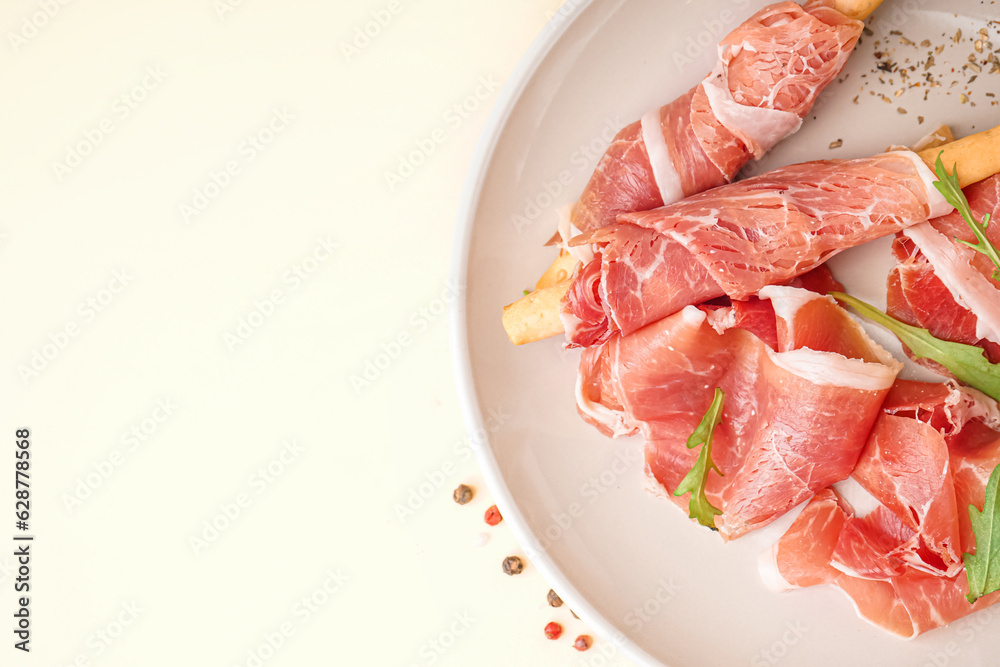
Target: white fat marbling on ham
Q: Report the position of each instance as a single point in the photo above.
(770, 575)
(840, 567)
(787, 301)
(965, 404)
(693, 315)
(571, 323)
(760, 128)
(970, 288)
(826, 368)
(567, 230)
(668, 181)
(766, 539)
(722, 319)
(856, 496)
(613, 420)
(936, 203)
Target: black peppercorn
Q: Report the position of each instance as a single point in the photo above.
(513, 565)
(463, 494)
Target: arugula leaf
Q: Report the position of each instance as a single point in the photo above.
(694, 482)
(983, 567)
(966, 362)
(948, 186)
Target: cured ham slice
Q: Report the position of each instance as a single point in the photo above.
(906, 605)
(975, 451)
(969, 424)
(736, 239)
(929, 457)
(946, 287)
(605, 413)
(596, 401)
(906, 466)
(805, 551)
(946, 406)
(869, 547)
(795, 418)
(769, 73)
(650, 277)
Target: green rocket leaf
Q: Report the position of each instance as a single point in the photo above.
(966, 362)
(694, 482)
(983, 567)
(947, 185)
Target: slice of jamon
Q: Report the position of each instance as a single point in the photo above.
(906, 605)
(757, 316)
(804, 553)
(652, 277)
(916, 296)
(739, 238)
(946, 406)
(930, 455)
(870, 547)
(905, 465)
(968, 423)
(596, 380)
(984, 197)
(945, 287)
(770, 71)
(975, 452)
(795, 418)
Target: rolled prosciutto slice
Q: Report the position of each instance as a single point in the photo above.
(738, 238)
(944, 286)
(796, 414)
(929, 457)
(769, 73)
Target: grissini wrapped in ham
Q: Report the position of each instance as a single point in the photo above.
(736, 239)
(769, 73)
(739, 237)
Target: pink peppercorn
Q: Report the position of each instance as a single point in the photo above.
(553, 631)
(492, 516)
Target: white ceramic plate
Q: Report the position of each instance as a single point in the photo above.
(629, 563)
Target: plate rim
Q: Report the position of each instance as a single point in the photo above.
(468, 401)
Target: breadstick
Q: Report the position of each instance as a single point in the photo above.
(852, 9)
(856, 9)
(940, 136)
(562, 268)
(978, 156)
(535, 316)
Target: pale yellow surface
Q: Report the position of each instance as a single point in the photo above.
(226, 232)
